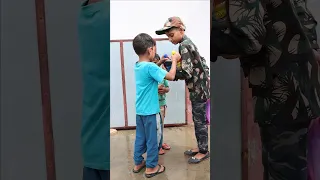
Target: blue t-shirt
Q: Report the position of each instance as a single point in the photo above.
(148, 75)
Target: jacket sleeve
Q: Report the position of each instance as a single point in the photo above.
(205, 66)
(186, 63)
(247, 25)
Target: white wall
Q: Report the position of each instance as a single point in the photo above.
(129, 18)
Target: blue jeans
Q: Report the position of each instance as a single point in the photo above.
(147, 139)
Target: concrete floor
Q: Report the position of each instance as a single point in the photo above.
(177, 168)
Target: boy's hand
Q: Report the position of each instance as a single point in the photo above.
(161, 90)
(176, 57)
(163, 59)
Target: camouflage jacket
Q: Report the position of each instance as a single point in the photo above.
(280, 62)
(194, 71)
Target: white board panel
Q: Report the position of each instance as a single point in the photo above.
(116, 97)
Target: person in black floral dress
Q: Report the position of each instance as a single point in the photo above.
(276, 43)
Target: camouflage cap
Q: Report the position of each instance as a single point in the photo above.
(170, 23)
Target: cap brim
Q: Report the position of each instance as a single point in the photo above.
(163, 30)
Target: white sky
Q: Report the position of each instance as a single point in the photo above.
(131, 17)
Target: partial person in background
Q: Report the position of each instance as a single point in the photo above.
(94, 38)
(195, 73)
(163, 88)
(276, 42)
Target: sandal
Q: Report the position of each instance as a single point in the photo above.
(161, 152)
(156, 173)
(165, 146)
(194, 160)
(139, 170)
(190, 153)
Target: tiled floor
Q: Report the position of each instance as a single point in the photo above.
(177, 168)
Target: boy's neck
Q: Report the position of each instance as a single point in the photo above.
(143, 59)
(184, 37)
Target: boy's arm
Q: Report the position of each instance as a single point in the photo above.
(172, 73)
(160, 74)
(186, 64)
(205, 66)
(161, 61)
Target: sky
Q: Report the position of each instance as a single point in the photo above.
(129, 18)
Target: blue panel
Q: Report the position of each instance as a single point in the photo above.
(116, 98)
(176, 97)
(166, 47)
(130, 58)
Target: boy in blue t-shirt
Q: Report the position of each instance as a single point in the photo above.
(147, 77)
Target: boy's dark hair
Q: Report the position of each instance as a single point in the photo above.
(157, 57)
(142, 42)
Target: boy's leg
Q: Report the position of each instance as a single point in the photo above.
(163, 110)
(163, 113)
(200, 126)
(159, 130)
(150, 125)
(284, 152)
(140, 141)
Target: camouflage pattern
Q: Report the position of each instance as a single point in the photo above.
(194, 71)
(170, 23)
(278, 38)
(200, 125)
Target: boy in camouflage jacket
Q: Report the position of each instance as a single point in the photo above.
(195, 72)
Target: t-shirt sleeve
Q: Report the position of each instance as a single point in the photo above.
(166, 83)
(157, 72)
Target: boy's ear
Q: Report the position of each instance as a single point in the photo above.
(181, 30)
